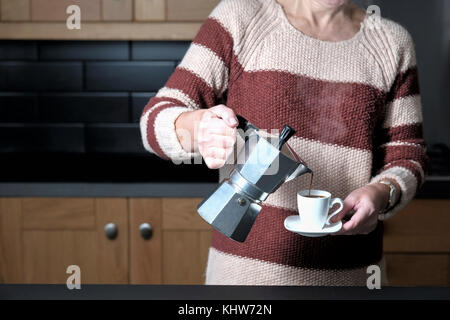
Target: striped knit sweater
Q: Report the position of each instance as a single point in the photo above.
(356, 109)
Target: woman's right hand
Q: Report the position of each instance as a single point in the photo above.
(214, 133)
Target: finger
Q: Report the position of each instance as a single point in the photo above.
(214, 163)
(216, 126)
(349, 205)
(226, 114)
(357, 220)
(213, 140)
(216, 153)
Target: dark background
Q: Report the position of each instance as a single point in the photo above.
(69, 110)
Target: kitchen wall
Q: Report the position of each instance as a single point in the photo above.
(104, 19)
(69, 110)
(162, 20)
(107, 10)
(429, 24)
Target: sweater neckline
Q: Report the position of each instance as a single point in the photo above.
(281, 15)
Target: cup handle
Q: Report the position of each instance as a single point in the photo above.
(332, 203)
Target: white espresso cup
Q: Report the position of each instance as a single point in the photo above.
(314, 210)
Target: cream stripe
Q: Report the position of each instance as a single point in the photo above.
(166, 135)
(337, 169)
(403, 111)
(177, 94)
(207, 65)
(227, 269)
(234, 15)
(408, 185)
(321, 63)
(144, 125)
(419, 167)
(400, 144)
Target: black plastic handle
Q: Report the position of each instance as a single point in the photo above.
(285, 134)
(244, 124)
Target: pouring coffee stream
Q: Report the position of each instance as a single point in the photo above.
(262, 167)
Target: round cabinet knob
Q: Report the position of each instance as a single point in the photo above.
(146, 230)
(111, 231)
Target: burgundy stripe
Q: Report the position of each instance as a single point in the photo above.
(215, 37)
(194, 86)
(395, 153)
(407, 165)
(406, 84)
(270, 241)
(407, 132)
(151, 137)
(337, 113)
(155, 100)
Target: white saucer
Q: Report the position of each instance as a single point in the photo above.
(292, 223)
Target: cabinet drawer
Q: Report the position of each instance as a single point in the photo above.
(423, 226)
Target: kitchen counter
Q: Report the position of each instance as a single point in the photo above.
(92, 189)
(435, 187)
(193, 292)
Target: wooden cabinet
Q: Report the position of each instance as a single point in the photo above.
(41, 237)
(417, 244)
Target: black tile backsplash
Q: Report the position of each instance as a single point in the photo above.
(18, 107)
(84, 50)
(17, 137)
(85, 107)
(18, 50)
(114, 138)
(70, 110)
(159, 50)
(128, 76)
(40, 76)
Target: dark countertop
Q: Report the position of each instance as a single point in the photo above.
(434, 188)
(197, 292)
(130, 175)
(107, 189)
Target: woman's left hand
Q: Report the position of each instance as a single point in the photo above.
(367, 202)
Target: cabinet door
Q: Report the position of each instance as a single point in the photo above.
(41, 237)
(145, 252)
(186, 240)
(417, 244)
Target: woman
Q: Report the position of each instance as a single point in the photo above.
(346, 81)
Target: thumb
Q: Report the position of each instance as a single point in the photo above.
(226, 114)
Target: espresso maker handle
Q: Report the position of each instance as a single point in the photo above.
(244, 124)
(285, 134)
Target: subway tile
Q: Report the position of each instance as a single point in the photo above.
(84, 107)
(150, 10)
(15, 10)
(18, 50)
(84, 50)
(159, 50)
(41, 138)
(138, 102)
(114, 138)
(48, 76)
(192, 10)
(55, 10)
(18, 107)
(117, 10)
(127, 76)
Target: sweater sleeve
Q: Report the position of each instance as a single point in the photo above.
(400, 148)
(199, 81)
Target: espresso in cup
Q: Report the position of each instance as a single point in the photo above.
(314, 206)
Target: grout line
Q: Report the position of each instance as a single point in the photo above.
(166, 11)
